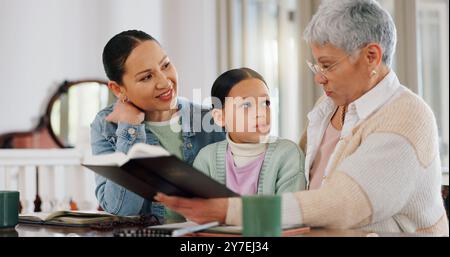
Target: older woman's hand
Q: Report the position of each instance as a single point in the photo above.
(197, 210)
(126, 112)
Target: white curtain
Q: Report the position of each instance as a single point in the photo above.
(266, 35)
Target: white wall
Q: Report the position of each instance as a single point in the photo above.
(189, 36)
(43, 43)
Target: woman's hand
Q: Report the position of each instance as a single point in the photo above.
(197, 210)
(126, 112)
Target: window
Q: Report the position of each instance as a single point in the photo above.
(389, 5)
(255, 45)
(423, 65)
(263, 36)
(429, 26)
(433, 64)
(266, 35)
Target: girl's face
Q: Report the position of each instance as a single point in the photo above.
(246, 114)
(150, 80)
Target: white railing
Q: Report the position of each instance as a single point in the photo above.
(445, 176)
(56, 173)
(60, 179)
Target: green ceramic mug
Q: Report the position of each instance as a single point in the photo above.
(9, 209)
(261, 215)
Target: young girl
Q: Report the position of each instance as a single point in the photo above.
(249, 161)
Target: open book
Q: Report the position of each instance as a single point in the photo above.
(73, 218)
(236, 231)
(214, 231)
(139, 150)
(148, 169)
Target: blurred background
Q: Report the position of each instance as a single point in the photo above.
(48, 45)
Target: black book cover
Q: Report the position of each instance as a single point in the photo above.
(166, 174)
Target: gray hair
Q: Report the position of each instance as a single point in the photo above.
(351, 24)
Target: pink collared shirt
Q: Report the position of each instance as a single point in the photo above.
(326, 149)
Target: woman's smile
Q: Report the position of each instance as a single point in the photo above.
(166, 96)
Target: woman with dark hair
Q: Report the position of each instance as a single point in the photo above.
(147, 111)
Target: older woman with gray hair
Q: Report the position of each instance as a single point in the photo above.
(371, 145)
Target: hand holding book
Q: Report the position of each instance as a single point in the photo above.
(149, 169)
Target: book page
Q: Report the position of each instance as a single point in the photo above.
(45, 216)
(84, 220)
(35, 216)
(141, 150)
(113, 159)
(73, 217)
(79, 220)
(79, 214)
(179, 225)
(238, 229)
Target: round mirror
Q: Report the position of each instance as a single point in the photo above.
(73, 108)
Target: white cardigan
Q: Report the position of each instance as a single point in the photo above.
(385, 173)
(319, 118)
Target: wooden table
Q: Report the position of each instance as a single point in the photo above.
(23, 230)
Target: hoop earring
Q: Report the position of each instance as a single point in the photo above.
(125, 100)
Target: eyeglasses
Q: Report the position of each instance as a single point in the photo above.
(316, 68)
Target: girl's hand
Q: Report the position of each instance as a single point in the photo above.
(126, 112)
(197, 210)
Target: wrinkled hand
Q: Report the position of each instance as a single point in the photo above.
(126, 113)
(197, 210)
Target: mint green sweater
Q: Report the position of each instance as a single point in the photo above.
(282, 170)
